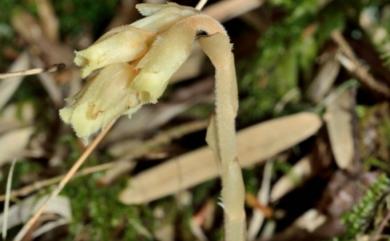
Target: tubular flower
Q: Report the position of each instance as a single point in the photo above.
(117, 57)
(130, 42)
(133, 64)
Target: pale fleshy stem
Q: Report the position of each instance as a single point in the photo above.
(221, 135)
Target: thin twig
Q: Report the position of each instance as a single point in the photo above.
(63, 182)
(200, 4)
(379, 231)
(348, 59)
(7, 194)
(35, 71)
(26, 190)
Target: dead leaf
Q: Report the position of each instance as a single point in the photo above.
(16, 116)
(228, 9)
(310, 220)
(9, 86)
(298, 173)
(13, 143)
(255, 144)
(338, 120)
(324, 80)
(31, 31)
(49, 21)
(20, 212)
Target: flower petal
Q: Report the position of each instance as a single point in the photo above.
(162, 61)
(147, 9)
(105, 97)
(122, 44)
(168, 53)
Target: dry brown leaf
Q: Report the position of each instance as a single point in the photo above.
(338, 120)
(228, 9)
(13, 143)
(310, 220)
(9, 86)
(298, 173)
(16, 116)
(255, 144)
(324, 80)
(48, 19)
(29, 29)
(19, 213)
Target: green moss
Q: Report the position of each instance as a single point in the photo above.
(97, 212)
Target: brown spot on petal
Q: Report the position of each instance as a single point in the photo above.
(93, 112)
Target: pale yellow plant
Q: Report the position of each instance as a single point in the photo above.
(131, 65)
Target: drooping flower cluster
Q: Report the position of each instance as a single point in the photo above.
(131, 65)
(126, 68)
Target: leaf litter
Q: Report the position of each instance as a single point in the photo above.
(341, 146)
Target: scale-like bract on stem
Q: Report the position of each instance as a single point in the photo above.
(133, 66)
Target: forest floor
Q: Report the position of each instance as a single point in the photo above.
(313, 127)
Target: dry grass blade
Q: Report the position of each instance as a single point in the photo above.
(34, 71)
(324, 80)
(263, 196)
(6, 203)
(11, 84)
(228, 9)
(339, 119)
(63, 182)
(48, 19)
(255, 144)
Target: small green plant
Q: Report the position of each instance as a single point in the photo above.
(358, 220)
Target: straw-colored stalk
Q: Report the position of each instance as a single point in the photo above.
(221, 134)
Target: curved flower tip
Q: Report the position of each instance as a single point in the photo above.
(159, 17)
(106, 97)
(121, 44)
